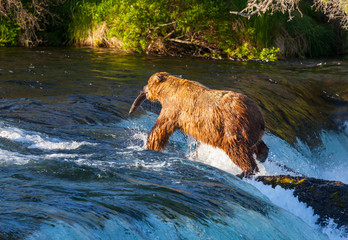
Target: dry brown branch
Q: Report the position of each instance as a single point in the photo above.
(242, 14)
(333, 9)
(163, 25)
(199, 44)
(30, 17)
(196, 43)
(262, 6)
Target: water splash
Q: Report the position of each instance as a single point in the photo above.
(38, 141)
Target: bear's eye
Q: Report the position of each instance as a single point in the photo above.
(160, 78)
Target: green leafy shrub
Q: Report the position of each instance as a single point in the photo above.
(269, 54)
(9, 32)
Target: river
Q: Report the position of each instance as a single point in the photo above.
(73, 163)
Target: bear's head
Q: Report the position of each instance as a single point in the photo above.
(152, 91)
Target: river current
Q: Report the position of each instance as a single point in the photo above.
(73, 163)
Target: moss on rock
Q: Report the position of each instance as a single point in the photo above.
(329, 199)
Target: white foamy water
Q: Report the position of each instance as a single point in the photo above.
(9, 158)
(56, 144)
(214, 157)
(328, 161)
(39, 141)
(61, 155)
(285, 199)
(279, 155)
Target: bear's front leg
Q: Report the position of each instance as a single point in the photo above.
(160, 133)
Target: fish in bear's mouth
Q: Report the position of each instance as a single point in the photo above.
(139, 100)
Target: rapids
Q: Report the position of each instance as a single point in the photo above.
(73, 163)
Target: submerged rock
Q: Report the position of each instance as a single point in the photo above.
(329, 199)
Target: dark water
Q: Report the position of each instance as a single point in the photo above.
(73, 163)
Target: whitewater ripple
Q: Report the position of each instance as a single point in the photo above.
(39, 141)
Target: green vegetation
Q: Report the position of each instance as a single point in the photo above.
(9, 33)
(200, 28)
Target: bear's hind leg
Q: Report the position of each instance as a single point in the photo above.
(160, 134)
(243, 158)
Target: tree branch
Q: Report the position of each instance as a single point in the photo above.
(195, 43)
(163, 25)
(333, 9)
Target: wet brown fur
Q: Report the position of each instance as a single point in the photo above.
(223, 119)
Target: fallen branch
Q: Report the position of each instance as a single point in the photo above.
(181, 41)
(201, 45)
(163, 25)
(189, 42)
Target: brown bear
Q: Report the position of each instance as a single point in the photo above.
(223, 119)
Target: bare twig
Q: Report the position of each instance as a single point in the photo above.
(180, 41)
(163, 25)
(195, 43)
(169, 34)
(333, 9)
(242, 14)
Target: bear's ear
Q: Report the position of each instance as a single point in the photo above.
(160, 78)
